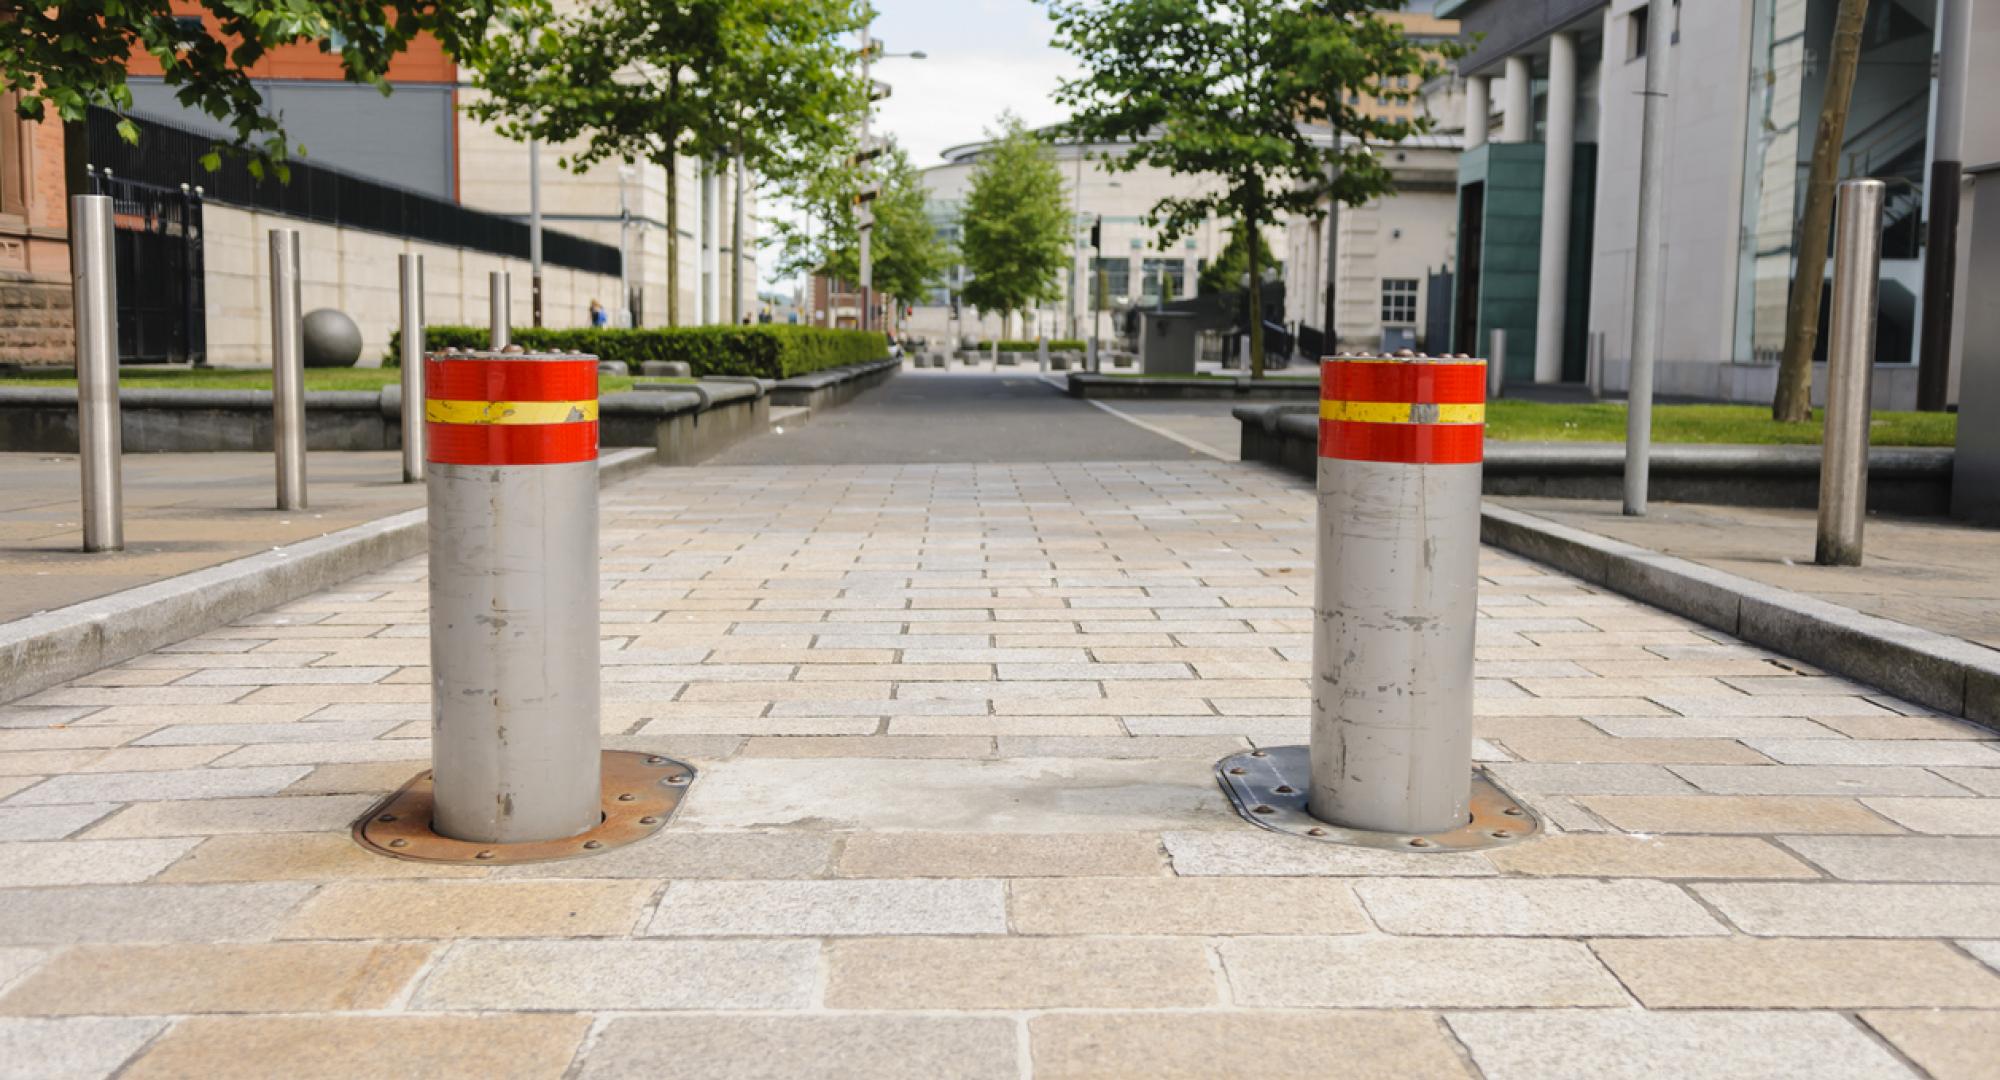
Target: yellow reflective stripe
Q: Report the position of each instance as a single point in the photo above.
(509, 412)
(1401, 412)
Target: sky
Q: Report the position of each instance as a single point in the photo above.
(983, 57)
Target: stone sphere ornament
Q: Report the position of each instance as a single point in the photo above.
(331, 339)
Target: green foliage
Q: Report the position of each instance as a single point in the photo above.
(768, 351)
(1225, 274)
(69, 55)
(1229, 89)
(1015, 223)
(908, 256)
(645, 80)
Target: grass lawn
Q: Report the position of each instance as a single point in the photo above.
(260, 379)
(1531, 421)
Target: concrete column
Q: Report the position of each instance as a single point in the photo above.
(1560, 137)
(1517, 112)
(1478, 109)
(711, 231)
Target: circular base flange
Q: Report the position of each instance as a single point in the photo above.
(1268, 788)
(641, 791)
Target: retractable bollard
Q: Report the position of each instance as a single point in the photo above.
(517, 773)
(1395, 596)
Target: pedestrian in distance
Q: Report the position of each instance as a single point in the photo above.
(598, 316)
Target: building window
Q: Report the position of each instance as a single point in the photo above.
(13, 158)
(1117, 278)
(1399, 301)
(1162, 279)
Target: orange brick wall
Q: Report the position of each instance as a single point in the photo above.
(423, 62)
(36, 245)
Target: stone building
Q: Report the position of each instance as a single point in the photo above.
(34, 245)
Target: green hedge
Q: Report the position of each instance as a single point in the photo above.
(1055, 345)
(766, 351)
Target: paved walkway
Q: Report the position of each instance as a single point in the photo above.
(1929, 572)
(955, 726)
(183, 512)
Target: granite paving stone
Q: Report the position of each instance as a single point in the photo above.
(1018, 973)
(621, 974)
(832, 1046)
(1903, 858)
(153, 980)
(1618, 855)
(1177, 905)
(73, 1048)
(1370, 1045)
(1543, 908)
(86, 862)
(388, 910)
(999, 855)
(1259, 853)
(168, 784)
(1858, 910)
(1629, 1044)
(1798, 973)
(49, 822)
(1943, 816)
(1947, 1044)
(1764, 814)
(1374, 971)
(145, 913)
(829, 908)
(1816, 779)
(336, 1047)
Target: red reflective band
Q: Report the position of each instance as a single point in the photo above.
(510, 444)
(1452, 383)
(1412, 444)
(452, 379)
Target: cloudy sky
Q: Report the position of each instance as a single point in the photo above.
(983, 57)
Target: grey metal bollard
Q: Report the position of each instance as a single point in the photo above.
(1850, 368)
(499, 309)
(1496, 364)
(410, 353)
(513, 583)
(288, 392)
(94, 285)
(1396, 592)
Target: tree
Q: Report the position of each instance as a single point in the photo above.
(908, 256)
(70, 55)
(766, 81)
(1231, 89)
(1793, 401)
(1015, 226)
(1230, 269)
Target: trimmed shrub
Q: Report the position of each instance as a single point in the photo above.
(1055, 345)
(766, 351)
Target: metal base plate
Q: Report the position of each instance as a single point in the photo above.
(641, 791)
(1268, 787)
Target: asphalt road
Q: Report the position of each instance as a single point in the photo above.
(958, 417)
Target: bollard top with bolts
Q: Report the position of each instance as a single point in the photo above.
(1408, 408)
(510, 407)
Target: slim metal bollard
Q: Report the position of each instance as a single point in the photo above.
(1396, 591)
(288, 393)
(1850, 368)
(410, 354)
(512, 484)
(94, 284)
(1496, 364)
(499, 309)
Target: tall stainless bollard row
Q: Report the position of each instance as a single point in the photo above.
(410, 357)
(1395, 595)
(99, 434)
(1850, 371)
(517, 773)
(499, 309)
(288, 370)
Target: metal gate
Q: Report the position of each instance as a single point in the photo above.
(158, 244)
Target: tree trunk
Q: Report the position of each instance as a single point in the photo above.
(1793, 403)
(1256, 292)
(673, 210)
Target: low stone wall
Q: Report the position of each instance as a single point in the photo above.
(1238, 388)
(684, 422)
(1902, 480)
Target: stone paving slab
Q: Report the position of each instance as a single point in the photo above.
(955, 726)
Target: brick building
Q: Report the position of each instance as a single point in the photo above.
(34, 242)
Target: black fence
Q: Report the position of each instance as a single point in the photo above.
(157, 245)
(168, 156)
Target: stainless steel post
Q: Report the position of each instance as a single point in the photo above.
(94, 285)
(499, 309)
(1397, 583)
(1850, 366)
(1496, 363)
(288, 375)
(512, 486)
(1650, 272)
(411, 356)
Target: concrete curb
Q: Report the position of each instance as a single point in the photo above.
(44, 650)
(1935, 670)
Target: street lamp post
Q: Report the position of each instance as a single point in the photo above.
(871, 51)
